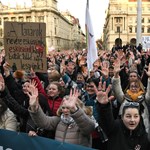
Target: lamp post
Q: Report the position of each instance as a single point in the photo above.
(139, 22)
(119, 37)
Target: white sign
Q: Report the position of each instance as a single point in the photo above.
(146, 42)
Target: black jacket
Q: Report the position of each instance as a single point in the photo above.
(119, 137)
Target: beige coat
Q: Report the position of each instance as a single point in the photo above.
(9, 121)
(79, 133)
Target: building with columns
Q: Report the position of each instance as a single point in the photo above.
(121, 22)
(62, 32)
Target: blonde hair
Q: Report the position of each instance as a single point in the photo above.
(138, 82)
(87, 109)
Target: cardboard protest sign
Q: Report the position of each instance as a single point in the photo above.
(25, 45)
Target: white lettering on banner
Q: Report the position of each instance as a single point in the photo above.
(1, 148)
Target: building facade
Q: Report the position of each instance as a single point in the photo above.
(62, 33)
(121, 22)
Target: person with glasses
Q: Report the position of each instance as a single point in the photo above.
(125, 133)
(135, 92)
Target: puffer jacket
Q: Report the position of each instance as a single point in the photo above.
(79, 133)
(8, 121)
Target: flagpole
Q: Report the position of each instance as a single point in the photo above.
(88, 4)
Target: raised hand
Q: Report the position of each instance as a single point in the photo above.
(2, 83)
(102, 93)
(33, 95)
(116, 66)
(105, 69)
(72, 101)
(7, 69)
(148, 72)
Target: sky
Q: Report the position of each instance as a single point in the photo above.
(77, 9)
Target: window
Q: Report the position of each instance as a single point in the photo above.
(13, 19)
(148, 20)
(148, 30)
(1, 33)
(55, 20)
(142, 29)
(130, 29)
(135, 29)
(142, 20)
(6, 19)
(118, 19)
(28, 19)
(41, 18)
(55, 31)
(118, 29)
(21, 19)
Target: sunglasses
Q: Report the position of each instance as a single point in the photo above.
(128, 104)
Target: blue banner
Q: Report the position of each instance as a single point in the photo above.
(10, 140)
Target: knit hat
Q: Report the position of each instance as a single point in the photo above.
(18, 74)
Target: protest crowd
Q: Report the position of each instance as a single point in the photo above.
(106, 108)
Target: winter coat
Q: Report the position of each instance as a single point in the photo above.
(120, 137)
(78, 133)
(120, 96)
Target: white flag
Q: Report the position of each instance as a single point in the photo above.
(92, 55)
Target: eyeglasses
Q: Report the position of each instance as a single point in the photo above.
(128, 104)
(134, 86)
(132, 76)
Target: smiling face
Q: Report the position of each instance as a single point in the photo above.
(52, 90)
(131, 118)
(133, 76)
(90, 88)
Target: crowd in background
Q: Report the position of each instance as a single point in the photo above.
(104, 108)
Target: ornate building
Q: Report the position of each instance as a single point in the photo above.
(121, 22)
(61, 32)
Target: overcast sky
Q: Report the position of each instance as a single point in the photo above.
(77, 8)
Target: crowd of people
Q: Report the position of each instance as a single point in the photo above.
(106, 108)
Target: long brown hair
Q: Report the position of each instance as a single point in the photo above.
(138, 82)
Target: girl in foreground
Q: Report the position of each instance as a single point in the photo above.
(73, 123)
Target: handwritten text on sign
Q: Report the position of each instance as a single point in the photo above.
(25, 45)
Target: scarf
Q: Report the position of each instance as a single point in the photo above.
(134, 96)
(67, 120)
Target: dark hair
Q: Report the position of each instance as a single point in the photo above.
(127, 105)
(93, 80)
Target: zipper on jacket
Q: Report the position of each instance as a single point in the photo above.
(65, 133)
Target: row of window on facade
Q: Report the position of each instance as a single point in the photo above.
(132, 8)
(133, 29)
(22, 19)
(142, 30)
(119, 20)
